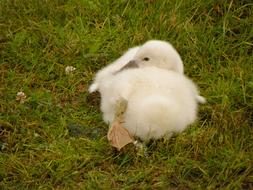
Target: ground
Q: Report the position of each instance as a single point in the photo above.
(55, 137)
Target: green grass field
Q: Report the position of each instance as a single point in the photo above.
(56, 139)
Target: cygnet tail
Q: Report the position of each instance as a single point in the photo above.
(200, 99)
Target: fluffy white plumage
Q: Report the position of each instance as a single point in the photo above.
(161, 54)
(161, 100)
(109, 70)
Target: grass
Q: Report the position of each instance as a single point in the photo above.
(56, 139)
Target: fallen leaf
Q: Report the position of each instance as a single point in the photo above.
(118, 136)
(121, 107)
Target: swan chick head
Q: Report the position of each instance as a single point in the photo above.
(159, 54)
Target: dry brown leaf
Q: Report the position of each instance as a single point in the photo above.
(118, 136)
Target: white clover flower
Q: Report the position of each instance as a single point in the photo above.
(21, 97)
(69, 69)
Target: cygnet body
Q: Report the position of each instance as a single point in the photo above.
(161, 99)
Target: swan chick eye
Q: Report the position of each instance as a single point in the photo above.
(145, 59)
